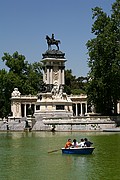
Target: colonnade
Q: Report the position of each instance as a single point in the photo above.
(20, 104)
(79, 109)
(25, 107)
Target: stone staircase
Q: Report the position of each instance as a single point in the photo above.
(40, 126)
(13, 125)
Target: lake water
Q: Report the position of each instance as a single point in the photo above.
(24, 156)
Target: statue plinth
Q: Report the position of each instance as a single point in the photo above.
(54, 54)
(53, 101)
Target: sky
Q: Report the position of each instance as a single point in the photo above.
(24, 25)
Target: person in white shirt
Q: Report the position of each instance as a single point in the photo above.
(81, 144)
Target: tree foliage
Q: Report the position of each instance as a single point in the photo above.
(15, 63)
(74, 85)
(26, 77)
(103, 89)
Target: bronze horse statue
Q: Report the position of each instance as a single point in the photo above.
(52, 41)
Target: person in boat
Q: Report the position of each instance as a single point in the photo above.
(82, 143)
(68, 143)
(87, 143)
(74, 143)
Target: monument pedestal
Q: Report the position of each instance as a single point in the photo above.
(50, 106)
(53, 102)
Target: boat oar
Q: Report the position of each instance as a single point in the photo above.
(54, 150)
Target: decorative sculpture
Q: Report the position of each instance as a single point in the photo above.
(57, 92)
(52, 41)
(15, 93)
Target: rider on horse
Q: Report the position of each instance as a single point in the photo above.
(52, 41)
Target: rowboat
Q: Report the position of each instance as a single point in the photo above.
(78, 150)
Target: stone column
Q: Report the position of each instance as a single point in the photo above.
(34, 108)
(85, 107)
(76, 110)
(17, 110)
(48, 77)
(63, 77)
(16, 103)
(59, 78)
(118, 107)
(25, 110)
(44, 77)
(51, 76)
(81, 109)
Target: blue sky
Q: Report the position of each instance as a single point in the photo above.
(25, 23)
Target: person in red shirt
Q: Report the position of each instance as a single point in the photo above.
(68, 143)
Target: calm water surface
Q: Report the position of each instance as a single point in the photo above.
(24, 156)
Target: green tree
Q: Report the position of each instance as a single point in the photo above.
(3, 99)
(81, 85)
(69, 81)
(26, 77)
(74, 85)
(103, 89)
(16, 63)
(32, 79)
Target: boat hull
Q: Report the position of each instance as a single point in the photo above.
(85, 150)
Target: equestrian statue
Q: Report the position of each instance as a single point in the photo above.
(52, 41)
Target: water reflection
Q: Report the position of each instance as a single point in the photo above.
(24, 155)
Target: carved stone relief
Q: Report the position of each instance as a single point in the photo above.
(55, 73)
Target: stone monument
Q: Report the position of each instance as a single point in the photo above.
(53, 101)
(15, 105)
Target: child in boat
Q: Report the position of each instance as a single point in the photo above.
(75, 143)
(82, 143)
(68, 143)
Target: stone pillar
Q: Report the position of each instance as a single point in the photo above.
(25, 115)
(81, 109)
(59, 78)
(44, 77)
(48, 77)
(51, 76)
(118, 107)
(16, 109)
(15, 103)
(34, 108)
(70, 108)
(76, 110)
(85, 107)
(63, 77)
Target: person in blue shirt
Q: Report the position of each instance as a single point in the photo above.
(87, 143)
